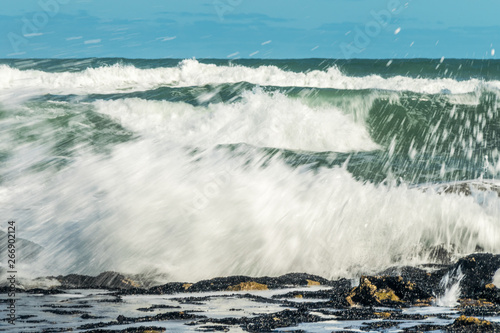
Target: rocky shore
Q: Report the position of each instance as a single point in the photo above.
(460, 297)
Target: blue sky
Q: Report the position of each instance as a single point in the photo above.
(250, 29)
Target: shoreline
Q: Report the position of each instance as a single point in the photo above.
(459, 297)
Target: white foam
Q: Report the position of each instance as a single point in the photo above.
(451, 285)
(496, 278)
(259, 119)
(119, 78)
(149, 206)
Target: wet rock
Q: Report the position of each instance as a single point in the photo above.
(51, 291)
(141, 329)
(213, 328)
(258, 298)
(426, 281)
(235, 283)
(335, 297)
(158, 306)
(266, 322)
(65, 312)
(106, 280)
(440, 254)
(387, 291)
(116, 299)
(165, 289)
(472, 324)
(379, 325)
(89, 316)
(425, 328)
(490, 293)
(286, 318)
(478, 270)
(355, 314)
(122, 320)
(480, 311)
(75, 306)
(251, 285)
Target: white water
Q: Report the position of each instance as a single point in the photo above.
(451, 284)
(496, 278)
(152, 206)
(119, 78)
(260, 120)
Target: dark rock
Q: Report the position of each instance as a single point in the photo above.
(65, 312)
(286, 318)
(357, 314)
(379, 325)
(57, 306)
(89, 316)
(425, 328)
(158, 306)
(371, 313)
(426, 281)
(5, 290)
(142, 329)
(267, 322)
(480, 311)
(237, 283)
(336, 296)
(388, 291)
(213, 328)
(490, 293)
(121, 320)
(472, 324)
(478, 270)
(169, 288)
(106, 280)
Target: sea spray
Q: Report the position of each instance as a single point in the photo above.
(193, 169)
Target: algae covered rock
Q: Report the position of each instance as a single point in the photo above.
(472, 324)
(387, 290)
(251, 285)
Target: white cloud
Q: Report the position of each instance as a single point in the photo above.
(92, 41)
(166, 39)
(33, 34)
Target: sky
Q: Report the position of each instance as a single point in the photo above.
(229, 29)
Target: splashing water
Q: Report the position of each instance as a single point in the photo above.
(450, 283)
(195, 170)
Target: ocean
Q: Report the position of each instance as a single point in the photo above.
(193, 169)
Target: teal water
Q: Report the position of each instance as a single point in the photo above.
(214, 167)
